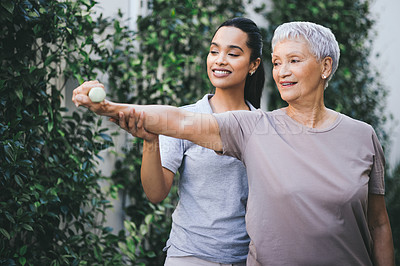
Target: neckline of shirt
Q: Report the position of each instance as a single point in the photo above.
(310, 129)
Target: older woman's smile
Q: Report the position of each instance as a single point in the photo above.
(287, 83)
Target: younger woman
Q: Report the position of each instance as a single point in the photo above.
(208, 225)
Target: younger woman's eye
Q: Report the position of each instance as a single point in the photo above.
(213, 52)
(234, 55)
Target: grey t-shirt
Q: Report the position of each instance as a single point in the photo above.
(308, 188)
(208, 221)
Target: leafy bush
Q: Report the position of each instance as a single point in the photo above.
(52, 205)
(52, 208)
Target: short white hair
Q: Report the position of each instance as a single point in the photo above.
(321, 40)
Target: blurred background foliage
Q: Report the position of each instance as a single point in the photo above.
(52, 206)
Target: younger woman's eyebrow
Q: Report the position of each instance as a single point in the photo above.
(230, 46)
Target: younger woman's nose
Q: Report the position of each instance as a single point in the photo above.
(221, 59)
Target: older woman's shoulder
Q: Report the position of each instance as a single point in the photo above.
(355, 124)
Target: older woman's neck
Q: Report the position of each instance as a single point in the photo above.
(313, 116)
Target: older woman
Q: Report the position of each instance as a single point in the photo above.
(315, 176)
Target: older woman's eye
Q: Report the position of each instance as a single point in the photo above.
(294, 61)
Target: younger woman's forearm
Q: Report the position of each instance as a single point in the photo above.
(156, 184)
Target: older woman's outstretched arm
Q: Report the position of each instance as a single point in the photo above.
(201, 129)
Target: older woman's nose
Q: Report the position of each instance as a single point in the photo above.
(284, 70)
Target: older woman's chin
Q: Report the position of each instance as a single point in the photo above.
(288, 96)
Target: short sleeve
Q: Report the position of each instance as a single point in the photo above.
(171, 152)
(376, 182)
(236, 128)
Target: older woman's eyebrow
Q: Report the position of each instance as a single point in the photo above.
(291, 54)
(230, 46)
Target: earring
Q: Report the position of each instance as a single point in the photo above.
(323, 76)
(251, 73)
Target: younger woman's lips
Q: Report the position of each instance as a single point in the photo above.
(221, 73)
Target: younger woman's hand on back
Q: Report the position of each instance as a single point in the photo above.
(134, 124)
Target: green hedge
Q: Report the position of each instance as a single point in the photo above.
(52, 208)
(51, 205)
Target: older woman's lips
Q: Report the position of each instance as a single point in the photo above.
(288, 84)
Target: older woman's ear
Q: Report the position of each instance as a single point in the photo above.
(326, 67)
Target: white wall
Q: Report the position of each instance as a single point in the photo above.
(110, 8)
(387, 44)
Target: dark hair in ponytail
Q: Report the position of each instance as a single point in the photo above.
(255, 83)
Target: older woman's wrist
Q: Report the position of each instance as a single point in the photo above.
(112, 109)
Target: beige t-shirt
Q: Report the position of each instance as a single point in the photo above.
(308, 188)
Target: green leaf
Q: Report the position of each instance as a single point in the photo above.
(27, 227)
(22, 260)
(9, 151)
(8, 5)
(20, 93)
(50, 126)
(105, 137)
(23, 250)
(96, 253)
(86, 2)
(39, 187)
(20, 211)
(49, 59)
(9, 217)
(149, 218)
(5, 233)
(18, 180)
(131, 245)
